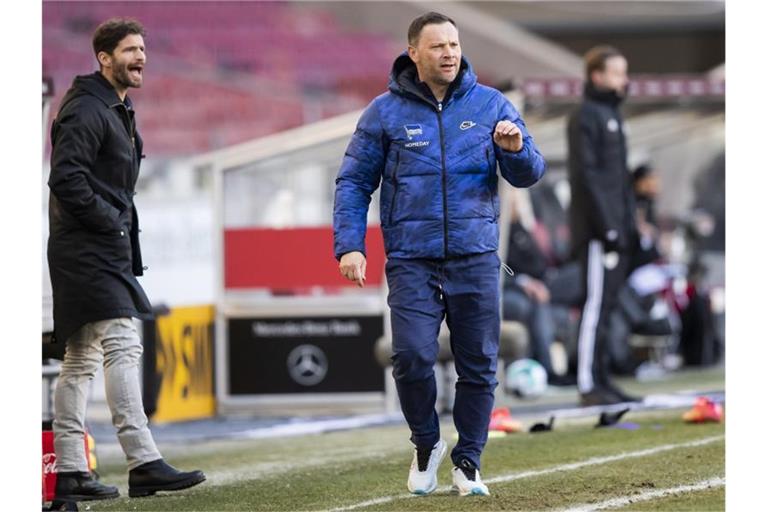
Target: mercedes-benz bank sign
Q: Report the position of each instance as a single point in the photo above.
(304, 355)
(307, 328)
(307, 365)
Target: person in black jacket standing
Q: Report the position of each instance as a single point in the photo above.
(601, 214)
(94, 258)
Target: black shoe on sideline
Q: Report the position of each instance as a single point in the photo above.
(561, 380)
(158, 475)
(80, 486)
(620, 393)
(598, 396)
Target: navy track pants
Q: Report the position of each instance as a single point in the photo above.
(465, 291)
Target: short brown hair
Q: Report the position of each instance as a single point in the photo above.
(109, 34)
(430, 18)
(594, 59)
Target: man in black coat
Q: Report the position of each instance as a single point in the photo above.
(602, 214)
(94, 258)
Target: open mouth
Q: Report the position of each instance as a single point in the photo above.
(448, 67)
(136, 71)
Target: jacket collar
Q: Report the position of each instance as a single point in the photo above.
(609, 97)
(404, 80)
(97, 85)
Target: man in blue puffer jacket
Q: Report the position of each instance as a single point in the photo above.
(433, 142)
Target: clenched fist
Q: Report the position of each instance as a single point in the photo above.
(352, 266)
(508, 136)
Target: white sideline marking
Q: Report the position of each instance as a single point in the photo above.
(244, 472)
(594, 461)
(317, 427)
(622, 501)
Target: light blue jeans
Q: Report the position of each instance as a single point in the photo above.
(116, 344)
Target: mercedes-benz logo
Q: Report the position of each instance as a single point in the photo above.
(307, 365)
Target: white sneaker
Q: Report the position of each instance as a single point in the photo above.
(472, 485)
(424, 482)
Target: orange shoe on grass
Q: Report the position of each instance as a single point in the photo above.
(501, 420)
(704, 410)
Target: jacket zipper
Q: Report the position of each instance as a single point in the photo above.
(445, 196)
(131, 128)
(491, 172)
(127, 124)
(394, 193)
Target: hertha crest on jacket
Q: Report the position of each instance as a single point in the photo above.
(412, 130)
(415, 136)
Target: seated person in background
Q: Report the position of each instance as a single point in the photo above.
(645, 184)
(642, 305)
(526, 298)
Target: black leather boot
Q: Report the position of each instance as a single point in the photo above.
(158, 475)
(79, 486)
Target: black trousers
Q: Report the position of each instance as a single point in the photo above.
(603, 274)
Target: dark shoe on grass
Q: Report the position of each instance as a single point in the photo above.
(82, 486)
(598, 396)
(612, 388)
(158, 475)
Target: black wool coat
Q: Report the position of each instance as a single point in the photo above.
(93, 248)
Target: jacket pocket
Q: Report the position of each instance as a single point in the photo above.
(395, 187)
(121, 233)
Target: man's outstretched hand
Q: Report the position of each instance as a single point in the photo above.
(352, 266)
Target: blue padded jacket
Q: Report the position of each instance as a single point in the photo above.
(436, 163)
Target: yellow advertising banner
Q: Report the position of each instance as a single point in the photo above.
(185, 364)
